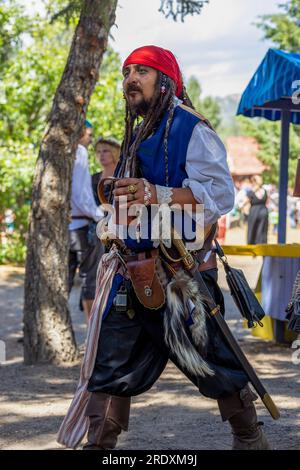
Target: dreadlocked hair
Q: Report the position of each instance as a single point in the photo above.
(161, 103)
(186, 99)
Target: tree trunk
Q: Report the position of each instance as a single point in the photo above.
(48, 333)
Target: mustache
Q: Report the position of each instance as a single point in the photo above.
(131, 88)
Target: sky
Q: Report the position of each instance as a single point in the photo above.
(221, 47)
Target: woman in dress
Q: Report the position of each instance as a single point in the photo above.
(258, 215)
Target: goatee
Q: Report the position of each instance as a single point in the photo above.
(140, 109)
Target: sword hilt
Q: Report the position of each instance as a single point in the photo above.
(185, 255)
(189, 263)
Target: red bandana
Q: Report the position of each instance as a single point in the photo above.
(159, 59)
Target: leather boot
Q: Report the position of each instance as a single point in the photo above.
(108, 416)
(240, 411)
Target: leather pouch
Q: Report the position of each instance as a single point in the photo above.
(148, 279)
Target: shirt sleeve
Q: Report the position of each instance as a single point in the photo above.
(82, 200)
(208, 174)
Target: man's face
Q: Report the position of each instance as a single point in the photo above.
(87, 137)
(139, 86)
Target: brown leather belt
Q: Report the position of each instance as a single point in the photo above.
(211, 263)
(140, 255)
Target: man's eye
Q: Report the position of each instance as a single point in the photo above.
(143, 71)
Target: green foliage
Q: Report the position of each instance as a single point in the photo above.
(65, 10)
(26, 90)
(207, 106)
(283, 28)
(211, 110)
(16, 173)
(13, 22)
(107, 109)
(268, 134)
(29, 81)
(194, 91)
(13, 250)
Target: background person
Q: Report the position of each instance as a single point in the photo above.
(84, 210)
(107, 152)
(258, 214)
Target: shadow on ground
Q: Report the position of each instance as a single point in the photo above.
(172, 415)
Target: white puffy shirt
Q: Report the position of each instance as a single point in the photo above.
(208, 174)
(82, 198)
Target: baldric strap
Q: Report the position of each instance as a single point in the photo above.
(199, 115)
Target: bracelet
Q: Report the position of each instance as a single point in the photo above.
(147, 192)
(164, 194)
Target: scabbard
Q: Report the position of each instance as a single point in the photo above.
(214, 311)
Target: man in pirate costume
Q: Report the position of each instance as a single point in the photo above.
(172, 156)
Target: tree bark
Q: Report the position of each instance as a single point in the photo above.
(48, 333)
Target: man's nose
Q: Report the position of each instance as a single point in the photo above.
(131, 77)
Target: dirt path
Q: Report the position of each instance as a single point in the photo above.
(34, 399)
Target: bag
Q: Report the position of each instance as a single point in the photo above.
(148, 278)
(293, 307)
(241, 292)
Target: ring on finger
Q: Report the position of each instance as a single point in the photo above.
(132, 188)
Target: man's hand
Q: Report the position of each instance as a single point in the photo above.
(122, 189)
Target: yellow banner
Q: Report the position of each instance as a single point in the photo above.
(281, 250)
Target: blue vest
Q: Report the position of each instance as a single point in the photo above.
(151, 157)
(151, 154)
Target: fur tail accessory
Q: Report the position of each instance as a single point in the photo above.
(293, 308)
(187, 347)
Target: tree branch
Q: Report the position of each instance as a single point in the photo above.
(181, 8)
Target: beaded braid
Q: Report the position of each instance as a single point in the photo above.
(160, 103)
(187, 102)
(163, 100)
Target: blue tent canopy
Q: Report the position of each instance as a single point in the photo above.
(271, 83)
(269, 95)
